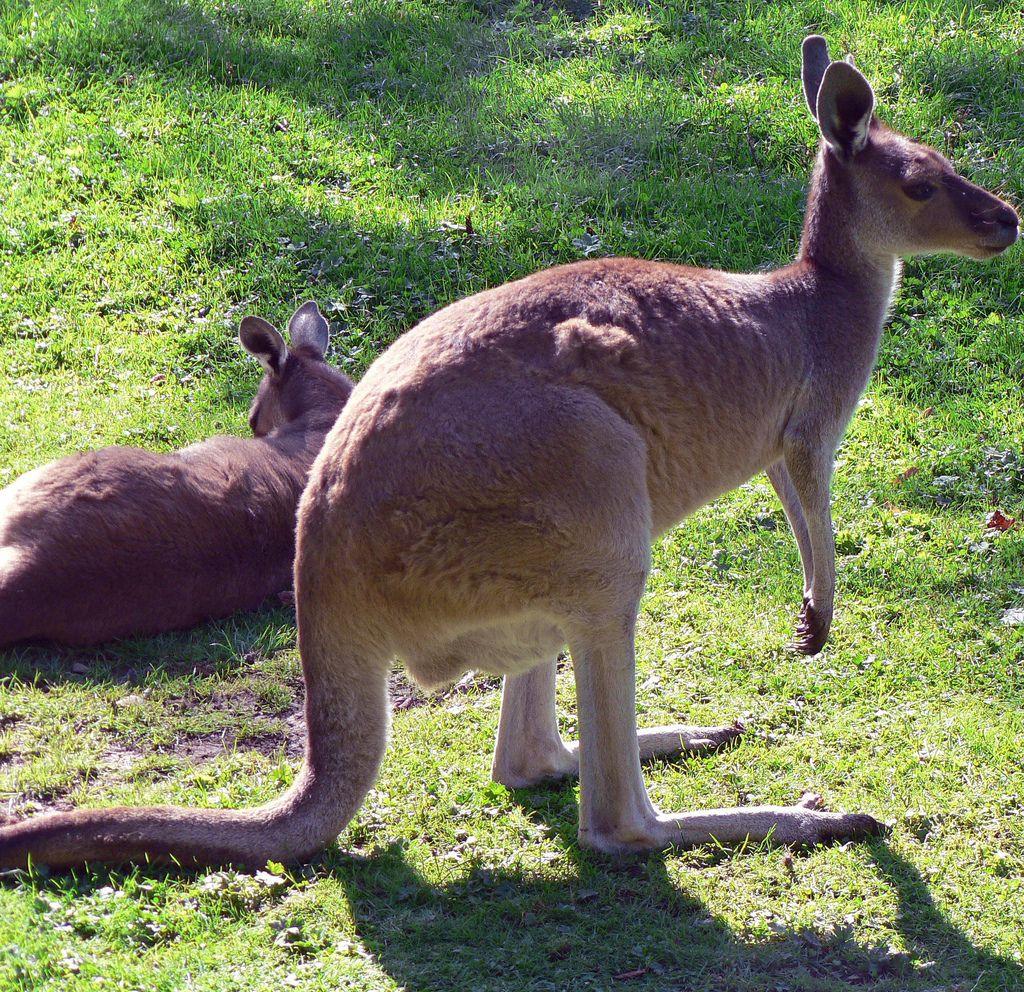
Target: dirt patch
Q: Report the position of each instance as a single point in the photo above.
(279, 729)
(33, 803)
(240, 701)
(116, 760)
(11, 760)
(275, 730)
(286, 730)
(404, 695)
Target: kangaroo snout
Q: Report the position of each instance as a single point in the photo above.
(996, 223)
(1006, 228)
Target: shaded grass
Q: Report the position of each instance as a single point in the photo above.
(168, 166)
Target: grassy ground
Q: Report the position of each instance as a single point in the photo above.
(168, 165)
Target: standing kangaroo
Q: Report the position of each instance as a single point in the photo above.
(124, 541)
(492, 489)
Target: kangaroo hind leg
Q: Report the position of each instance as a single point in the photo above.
(616, 814)
(530, 749)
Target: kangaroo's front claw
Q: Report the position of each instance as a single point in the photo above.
(811, 630)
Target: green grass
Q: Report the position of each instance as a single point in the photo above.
(167, 166)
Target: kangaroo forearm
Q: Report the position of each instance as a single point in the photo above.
(780, 479)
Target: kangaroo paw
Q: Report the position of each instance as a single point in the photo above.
(811, 631)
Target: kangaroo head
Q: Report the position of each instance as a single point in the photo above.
(906, 198)
(297, 380)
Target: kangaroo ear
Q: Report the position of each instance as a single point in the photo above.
(264, 342)
(309, 329)
(816, 61)
(846, 103)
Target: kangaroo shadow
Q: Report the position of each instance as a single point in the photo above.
(563, 935)
(611, 924)
(505, 929)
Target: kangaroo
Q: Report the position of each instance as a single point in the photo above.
(124, 541)
(491, 491)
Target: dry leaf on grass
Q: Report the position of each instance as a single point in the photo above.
(999, 521)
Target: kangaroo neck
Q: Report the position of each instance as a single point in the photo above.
(300, 440)
(851, 284)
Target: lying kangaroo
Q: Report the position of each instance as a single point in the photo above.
(493, 487)
(124, 541)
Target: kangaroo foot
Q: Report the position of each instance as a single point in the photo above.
(680, 738)
(530, 763)
(802, 825)
(552, 761)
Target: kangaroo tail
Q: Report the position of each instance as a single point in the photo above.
(346, 727)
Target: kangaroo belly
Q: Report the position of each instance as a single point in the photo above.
(507, 648)
(702, 476)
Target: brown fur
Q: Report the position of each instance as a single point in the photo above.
(494, 484)
(123, 541)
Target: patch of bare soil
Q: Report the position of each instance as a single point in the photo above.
(46, 801)
(285, 730)
(10, 760)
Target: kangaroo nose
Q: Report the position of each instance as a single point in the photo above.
(1003, 218)
(1009, 223)
(1006, 216)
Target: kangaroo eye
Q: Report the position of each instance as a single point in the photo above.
(919, 191)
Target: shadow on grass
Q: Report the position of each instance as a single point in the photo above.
(625, 924)
(970, 77)
(418, 89)
(604, 922)
(432, 97)
(631, 923)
